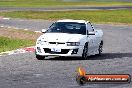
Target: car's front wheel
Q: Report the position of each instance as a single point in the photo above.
(85, 51)
(39, 57)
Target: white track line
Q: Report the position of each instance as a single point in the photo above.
(4, 18)
(38, 31)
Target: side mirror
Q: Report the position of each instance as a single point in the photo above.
(91, 33)
(43, 30)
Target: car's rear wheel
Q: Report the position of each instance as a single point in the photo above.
(100, 48)
(39, 57)
(85, 51)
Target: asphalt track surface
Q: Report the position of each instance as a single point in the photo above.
(65, 8)
(25, 71)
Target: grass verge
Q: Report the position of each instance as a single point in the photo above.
(50, 3)
(101, 16)
(11, 44)
(11, 39)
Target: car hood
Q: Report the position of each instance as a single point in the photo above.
(61, 37)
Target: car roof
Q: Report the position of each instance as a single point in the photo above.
(71, 20)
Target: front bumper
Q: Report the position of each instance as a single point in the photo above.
(68, 51)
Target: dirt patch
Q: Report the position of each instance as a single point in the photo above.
(19, 34)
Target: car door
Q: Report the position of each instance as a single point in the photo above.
(92, 38)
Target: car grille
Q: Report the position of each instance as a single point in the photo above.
(63, 51)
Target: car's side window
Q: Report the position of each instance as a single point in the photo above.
(89, 27)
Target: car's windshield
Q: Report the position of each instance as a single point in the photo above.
(67, 27)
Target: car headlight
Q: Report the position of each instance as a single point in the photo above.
(73, 43)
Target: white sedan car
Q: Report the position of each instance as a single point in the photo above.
(69, 38)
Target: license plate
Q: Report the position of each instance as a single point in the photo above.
(55, 49)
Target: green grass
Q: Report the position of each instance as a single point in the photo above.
(11, 44)
(101, 16)
(50, 3)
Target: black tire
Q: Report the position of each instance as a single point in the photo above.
(85, 52)
(81, 80)
(100, 49)
(40, 57)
